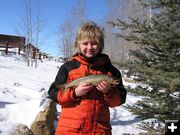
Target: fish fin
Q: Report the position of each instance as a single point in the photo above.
(115, 82)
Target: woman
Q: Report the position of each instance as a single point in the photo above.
(85, 108)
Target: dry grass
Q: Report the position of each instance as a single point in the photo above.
(129, 80)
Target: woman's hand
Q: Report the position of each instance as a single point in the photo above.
(82, 89)
(104, 87)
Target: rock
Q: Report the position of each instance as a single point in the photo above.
(42, 89)
(17, 84)
(43, 123)
(22, 129)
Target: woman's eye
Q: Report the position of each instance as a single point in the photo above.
(85, 43)
(93, 43)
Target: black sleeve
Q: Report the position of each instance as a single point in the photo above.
(116, 73)
(61, 78)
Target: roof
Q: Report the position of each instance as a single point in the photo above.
(12, 40)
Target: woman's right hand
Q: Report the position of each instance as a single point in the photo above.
(82, 89)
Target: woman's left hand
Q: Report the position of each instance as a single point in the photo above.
(104, 87)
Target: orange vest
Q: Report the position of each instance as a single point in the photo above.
(89, 114)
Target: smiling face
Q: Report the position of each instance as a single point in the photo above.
(89, 40)
(89, 48)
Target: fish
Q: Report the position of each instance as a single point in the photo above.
(92, 79)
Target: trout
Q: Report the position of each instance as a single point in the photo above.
(92, 79)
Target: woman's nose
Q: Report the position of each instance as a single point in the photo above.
(89, 46)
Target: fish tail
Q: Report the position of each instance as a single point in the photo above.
(115, 81)
(61, 87)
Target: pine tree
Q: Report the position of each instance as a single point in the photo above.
(157, 63)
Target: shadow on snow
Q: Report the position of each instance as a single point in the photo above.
(116, 121)
(3, 104)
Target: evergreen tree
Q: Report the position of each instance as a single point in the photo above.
(157, 63)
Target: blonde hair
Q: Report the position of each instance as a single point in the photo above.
(92, 31)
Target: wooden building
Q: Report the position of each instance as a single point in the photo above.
(34, 50)
(11, 41)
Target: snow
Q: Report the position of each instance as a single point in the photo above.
(22, 89)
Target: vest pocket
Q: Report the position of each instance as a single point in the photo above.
(70, 123)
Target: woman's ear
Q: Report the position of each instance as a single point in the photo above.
(76, 46)
(77, 49)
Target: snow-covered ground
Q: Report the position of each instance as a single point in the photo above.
(22, 89)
